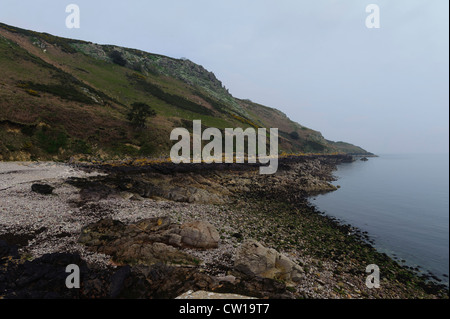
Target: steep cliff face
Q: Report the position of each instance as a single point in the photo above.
(62, 97)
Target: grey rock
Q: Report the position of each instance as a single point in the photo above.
(252, 258)
(199, 234)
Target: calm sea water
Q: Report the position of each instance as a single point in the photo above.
(402, 201)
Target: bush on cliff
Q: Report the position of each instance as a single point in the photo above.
(139, 113)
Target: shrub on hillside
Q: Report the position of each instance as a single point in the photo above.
(51, 140)
(81, 147)
(294, 135)
(176, 100)
(139, 113)
(118, 58)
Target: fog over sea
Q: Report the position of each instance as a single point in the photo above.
(402, 201)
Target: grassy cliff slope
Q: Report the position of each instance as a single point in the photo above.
(61, 98)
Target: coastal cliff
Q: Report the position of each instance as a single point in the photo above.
(63, 98)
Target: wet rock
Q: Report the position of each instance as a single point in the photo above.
(42, 189)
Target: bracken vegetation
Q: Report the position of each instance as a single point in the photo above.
(176, 100)
(86, 92)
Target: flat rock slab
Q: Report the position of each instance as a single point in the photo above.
(210, 295)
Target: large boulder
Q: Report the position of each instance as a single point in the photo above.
(199, 234)
(252, 258)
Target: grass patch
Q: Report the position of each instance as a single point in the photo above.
(175, 100)
(67, 92)
(51, 139)
(63, 43)
(81, 147)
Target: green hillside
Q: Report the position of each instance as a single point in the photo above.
(61, 98)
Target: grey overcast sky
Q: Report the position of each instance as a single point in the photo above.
(384, 89)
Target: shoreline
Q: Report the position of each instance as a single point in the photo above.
(241, 205)
(419, 269)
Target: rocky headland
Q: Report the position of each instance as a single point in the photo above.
(160, 230)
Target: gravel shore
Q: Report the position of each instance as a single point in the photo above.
(237, 202)
(43, 224)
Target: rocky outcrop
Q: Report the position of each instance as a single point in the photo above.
(214, 183)
(149, 241)
(43, 189)
(252, 258)
(45, 277)
(199, 234)
(139, 243)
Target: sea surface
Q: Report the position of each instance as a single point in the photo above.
(402, 201)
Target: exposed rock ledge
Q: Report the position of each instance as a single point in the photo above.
(149, 241)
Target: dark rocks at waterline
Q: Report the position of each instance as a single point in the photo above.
(43, 189)
(364, 159)
(296, 177)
